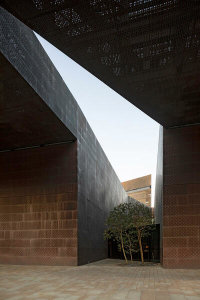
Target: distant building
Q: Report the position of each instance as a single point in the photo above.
(139, 189)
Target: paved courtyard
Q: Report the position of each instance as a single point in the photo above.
(104, 280)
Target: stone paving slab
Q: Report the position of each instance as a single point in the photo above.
(104, 280)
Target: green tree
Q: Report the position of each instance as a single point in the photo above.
(127, 224)
(117, 226)
(140, 217)
(131, 242)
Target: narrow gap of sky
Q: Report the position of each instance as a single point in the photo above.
(127, 135)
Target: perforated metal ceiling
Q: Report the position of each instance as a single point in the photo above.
(146, 50)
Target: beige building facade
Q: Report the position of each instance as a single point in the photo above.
(139, 189)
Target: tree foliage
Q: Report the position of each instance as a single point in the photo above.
(127, 224)
(117, 223)
(140, 217)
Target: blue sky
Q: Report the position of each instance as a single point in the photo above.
(127, 135)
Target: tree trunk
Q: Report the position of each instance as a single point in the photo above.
(122, 243)
(131, 256)
(130, 247)
(140, 244)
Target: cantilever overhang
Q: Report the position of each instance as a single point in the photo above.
(147, 51)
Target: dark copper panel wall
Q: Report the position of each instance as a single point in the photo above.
(38, 205)
(99, 188)
(181, 197)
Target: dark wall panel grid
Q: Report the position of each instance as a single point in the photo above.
(38, 206)
(181, 194)
(99, 188)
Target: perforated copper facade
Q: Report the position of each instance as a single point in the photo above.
(146, 50)
(38, 206)
(181, 194)
(37, 182)
(149, 52)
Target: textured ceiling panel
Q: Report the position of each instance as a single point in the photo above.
(146, 50)
(25, 119)
(33, 95)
